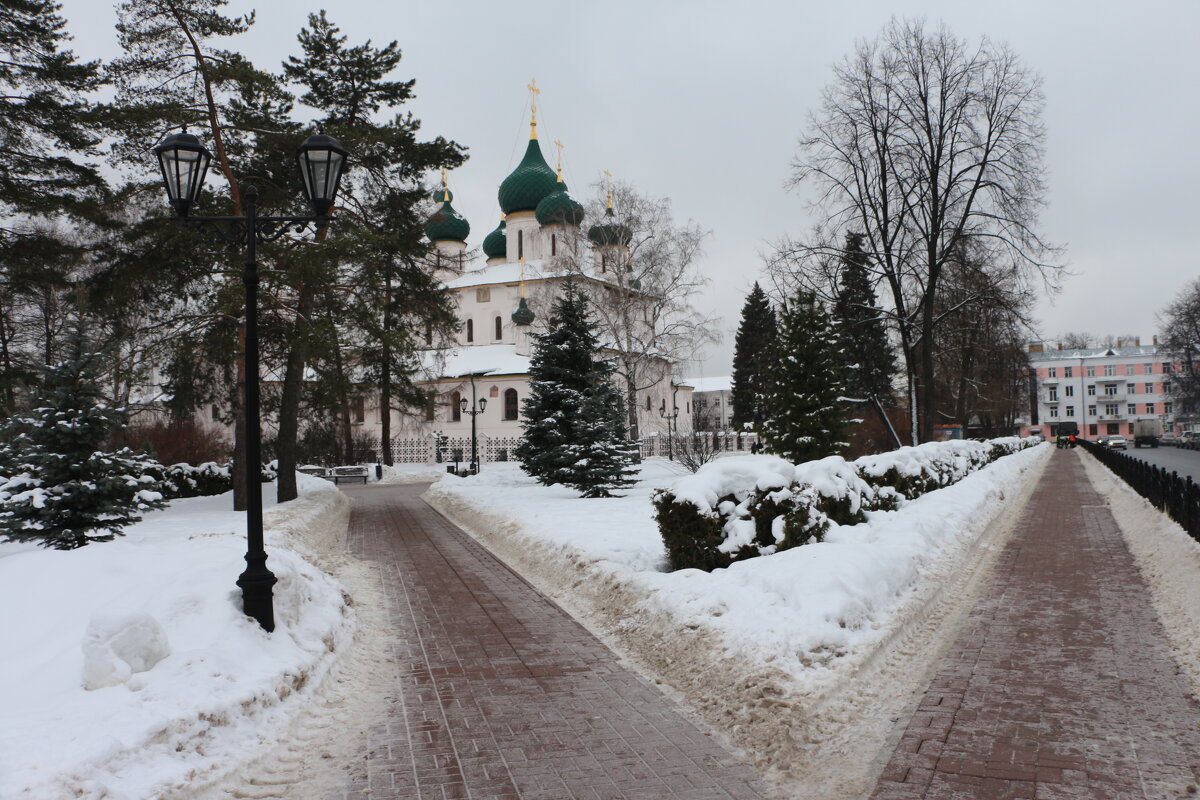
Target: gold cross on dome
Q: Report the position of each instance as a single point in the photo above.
(560, 147)
(534, 91)
(445, 187)
(608, 182)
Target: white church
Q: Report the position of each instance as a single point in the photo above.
(504, 298)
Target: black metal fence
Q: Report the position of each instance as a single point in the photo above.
(1166, 491)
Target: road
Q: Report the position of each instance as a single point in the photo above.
(1185, 462)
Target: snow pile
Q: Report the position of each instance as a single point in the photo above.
(759, 505)
(802, 659)
(135, 672)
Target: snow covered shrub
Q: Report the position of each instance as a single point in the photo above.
(202, 480)
(751, 506)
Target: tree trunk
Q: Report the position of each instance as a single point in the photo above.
(385, 377)
(635, 432)
(289, 401)
(928, 390)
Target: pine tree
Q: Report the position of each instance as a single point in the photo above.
(756, 336)
(860, 330)
(574, 433)
(803, 415)
(58, 486)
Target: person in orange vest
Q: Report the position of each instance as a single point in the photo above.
(1071, 439)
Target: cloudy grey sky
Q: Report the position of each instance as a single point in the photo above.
(703, 102)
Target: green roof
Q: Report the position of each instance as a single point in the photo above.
(447, 225)
(523, 315)
(495, 244)
(438, 195)
(559, 209)
(610, 232)
(529, 183)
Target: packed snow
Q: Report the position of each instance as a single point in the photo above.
(798, 657)
(130, 670)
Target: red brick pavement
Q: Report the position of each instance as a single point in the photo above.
(504, 696)
(1061, 684)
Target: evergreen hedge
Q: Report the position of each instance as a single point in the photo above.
(707, 533)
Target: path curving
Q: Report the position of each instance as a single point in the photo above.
(1061, 683)
(502, 696)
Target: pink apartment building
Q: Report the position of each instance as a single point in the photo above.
(1104, 390)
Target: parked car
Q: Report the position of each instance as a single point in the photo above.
(1169, 439)
(1117, 442)
(1103, 440)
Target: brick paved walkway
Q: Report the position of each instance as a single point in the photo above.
(502, 695)
(1061, 684)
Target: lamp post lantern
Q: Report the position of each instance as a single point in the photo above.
(672, 419)
(183, 161)
(477, 407)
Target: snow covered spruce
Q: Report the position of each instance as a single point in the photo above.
(734, 509)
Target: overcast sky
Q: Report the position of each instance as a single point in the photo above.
(703, 102)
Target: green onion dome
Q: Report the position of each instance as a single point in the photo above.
(438, 195)
(610, 232)
(529, 183)
(559, 209)
(447, 225)
(522, 316)
(495, 244)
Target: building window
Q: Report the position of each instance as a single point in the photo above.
(520, 244)
(483, 294)
(216, 412)
(455, 407)
(510, 404)
(553, 245)
(1149, 408)
(1092, 429)
(1111, 409)
(1068, 372)
(470, 330)
(1149, 388)
(1054, 412)
(1052, 372)
(499, 329)
(1110, 370)
(1070, 411)
(1092, 412)
(1053, 394)
(1148, 369)
(1091, 372)
(1110, 389)
(1166, 368)
(1131, 388)
(1129, 369)
(1091, 390)
(1132, 409)
(429, 411)
(1069, 391)
(358, 410)
(1167, 408)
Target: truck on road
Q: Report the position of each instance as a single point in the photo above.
(1146, 432)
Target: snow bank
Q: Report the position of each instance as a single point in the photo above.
(801, 659)
(194, 685)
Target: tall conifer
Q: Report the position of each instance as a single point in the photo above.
(574, 429)
(861, 334)
(803, 414)
(756, 336)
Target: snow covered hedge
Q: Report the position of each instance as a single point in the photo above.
(738, 508)
(202, 480)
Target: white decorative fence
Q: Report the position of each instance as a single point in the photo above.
(439, 449)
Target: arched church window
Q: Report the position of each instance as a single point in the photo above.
(520, 244)
(510, 404)
(470, 330)
(647, 402)
(499, 328)
(455, 407)
(553, 245)
(429, 333)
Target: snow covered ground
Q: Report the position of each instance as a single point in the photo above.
(129, 670)
(803, 659)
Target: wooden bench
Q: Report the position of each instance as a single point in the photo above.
(350, 475)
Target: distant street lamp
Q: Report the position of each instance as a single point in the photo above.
(672, 420)
(184, 161)
(477, 407)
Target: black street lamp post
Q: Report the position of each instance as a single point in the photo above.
(672, 420)
(183, 161)
(477, 407)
